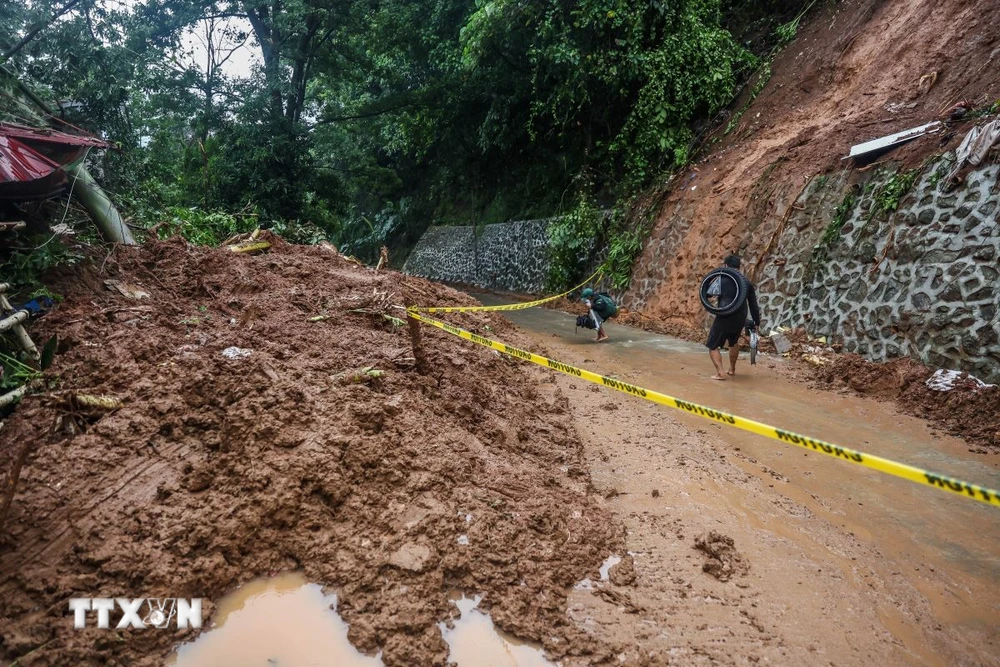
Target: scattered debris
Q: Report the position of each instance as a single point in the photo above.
(875, 147)
(14, 396)
(973, 149)
(927, 82)
(236, 353)
(250, 247)
(81, 410)
(814, 359)
(962, 411)
(100, 402)
(319, 318)
(781, 343)
(958, 110)
(11, 225)
(14, 322)
(383, 259)
(366, 374)
(945, 380)
(127, 290)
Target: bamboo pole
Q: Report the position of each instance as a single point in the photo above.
(13, 322)
(99, 206)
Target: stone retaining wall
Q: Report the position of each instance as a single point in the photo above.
(921, 282)
(510, 256)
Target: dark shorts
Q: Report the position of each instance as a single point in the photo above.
(723, 331)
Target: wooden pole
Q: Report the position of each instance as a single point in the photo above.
(418, 348)
(13, 322)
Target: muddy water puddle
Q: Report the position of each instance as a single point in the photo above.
(285, 621)
(474, 640)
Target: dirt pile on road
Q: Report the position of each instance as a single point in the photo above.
(253, 440)
(723, 559)
(966, 410)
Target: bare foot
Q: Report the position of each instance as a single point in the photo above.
(731, 371)
(718, 377)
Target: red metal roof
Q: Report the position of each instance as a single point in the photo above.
(21, 160)
(47, 135)
(20, 163)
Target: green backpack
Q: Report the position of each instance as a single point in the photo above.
(604, 305)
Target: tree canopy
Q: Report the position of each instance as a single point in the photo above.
(368, 120)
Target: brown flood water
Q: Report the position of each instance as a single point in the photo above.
(916, 529)
(278, 622)
(285, 621)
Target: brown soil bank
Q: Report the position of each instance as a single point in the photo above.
(218, 470)
(853, 74)
(967, 410)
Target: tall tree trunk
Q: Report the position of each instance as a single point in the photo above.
(262, 20)
(301, 68)
(101, 210)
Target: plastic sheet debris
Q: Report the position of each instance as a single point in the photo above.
(945, 380)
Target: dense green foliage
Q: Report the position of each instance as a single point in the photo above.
(367, 120)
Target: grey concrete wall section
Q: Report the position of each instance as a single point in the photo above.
(921, 283)
(509, 256)
(445, 253)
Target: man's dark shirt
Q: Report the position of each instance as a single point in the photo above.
(738, 319)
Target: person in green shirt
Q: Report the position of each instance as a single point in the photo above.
(602, 307)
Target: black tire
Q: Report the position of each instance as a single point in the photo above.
(742, 289)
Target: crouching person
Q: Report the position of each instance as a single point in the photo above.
(602, 308)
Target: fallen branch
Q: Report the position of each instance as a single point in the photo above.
(366, 374)
(98, 402)
(12, 397)
(250, 247)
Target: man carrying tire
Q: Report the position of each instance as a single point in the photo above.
(736, 295)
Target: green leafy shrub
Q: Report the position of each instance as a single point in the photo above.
(623, 249)
(571, 242)
(202, 227)
(23, 269)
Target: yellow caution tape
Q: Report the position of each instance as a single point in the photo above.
(973, 491)
(509, 306)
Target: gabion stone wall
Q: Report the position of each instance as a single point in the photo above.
(921, 282)
(510, 256)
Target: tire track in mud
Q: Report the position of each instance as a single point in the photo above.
(73, 518)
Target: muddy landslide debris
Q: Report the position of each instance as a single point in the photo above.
(214, 472)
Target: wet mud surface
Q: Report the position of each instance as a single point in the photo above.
(605, 529)
(844, 566)
(223, 466)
